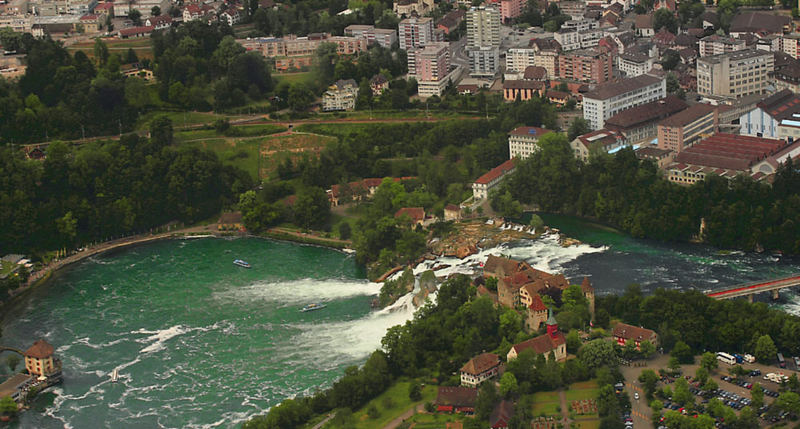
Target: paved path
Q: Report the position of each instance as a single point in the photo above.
(322, 423)
(564, 408)
(401, 418)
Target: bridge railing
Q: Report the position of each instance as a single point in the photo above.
(750, 284)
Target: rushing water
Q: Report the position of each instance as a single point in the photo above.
(199, 342)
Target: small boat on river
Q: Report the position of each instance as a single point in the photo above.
(312, 307)
(241, 263)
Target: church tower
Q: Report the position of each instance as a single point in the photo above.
(588, 293)
(552, 325)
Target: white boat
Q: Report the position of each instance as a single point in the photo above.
(241, 263)
(114, 375)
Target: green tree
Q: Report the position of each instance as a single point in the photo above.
(312, 209)
(100, 51)
(12, 362)
(681, 393)
(757, 395)
(701, 375)
(155, 11)
(414, 392)
(487, 397)
(598, 353)
(345, 231)
(573, 341)
(649, 379)
(300, 97)
(135, 16)
(647, 349)
(579, 126)
(788, 401)
(682, 352)
(765, 350)
(508, 384)
(7, 406)
(709, 361)
(536, 222)
(665, 18)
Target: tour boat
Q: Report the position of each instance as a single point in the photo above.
(312, 307)
(241, 263)
(114, 375)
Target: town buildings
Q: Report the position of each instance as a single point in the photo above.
(456, 399)
(523, 141)
(635, 64)
(407, 8)
(553, 342)
(415, 214)
(777, 116)
(510, 9)
(483, 41)
(718, 45)
(518, 59)
(734, 74)
(623, 333)
(586, 65)
(431, 67)
(479, 369)
(729, 155)
(687, 127)
(415, 32)
(489, 181)
(571, 39)
(522, 89)
(596, 142)
(661, 157)
(763, 23)
(611, 98)
(340, 96)
(451, 20)
(381, 36)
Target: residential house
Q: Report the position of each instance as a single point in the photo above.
(452, 212)
(456, 399)
(560, 98)
(498, 267)
(39, 359)
(134, 32)
(159, 22)
(586, 65)
(451, 20)
(340, 96)
(407, 8)
(416, 214)
(489, 181)
(596, 142)
(635, 64)
(664, 40)
(378, 84)
(644, 25)
(104, 10)
(231, 16)
(717, 45)
(623, 333)
(91, 24)
(523, 141)
(195, 11)
(552, 342)
(520, 288)
(479, 369)
(664, 4)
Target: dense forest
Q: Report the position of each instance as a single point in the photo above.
(633, 195)
(108, 189)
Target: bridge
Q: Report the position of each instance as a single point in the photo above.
(11, 349)
(750, 289)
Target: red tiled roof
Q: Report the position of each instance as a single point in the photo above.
(728, 151)
(630, 332)
(504, 266)
(89, 18)
(501, 415)
(481, 363)
(537, 304)
(529, 131)
(496, 172)
(41, 349)
(543, 344)
(104, 6)
(415, 213)
(452, 208)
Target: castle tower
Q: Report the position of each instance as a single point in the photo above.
(552, 325)
(588, 293)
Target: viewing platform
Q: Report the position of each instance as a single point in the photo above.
(750, 289)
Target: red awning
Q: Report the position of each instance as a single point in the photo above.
(445, 408)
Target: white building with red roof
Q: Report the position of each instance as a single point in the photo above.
(551, 342)
(489, 181)
(523, 141)
(479, 369)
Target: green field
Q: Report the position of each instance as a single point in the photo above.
(435, 421)
(390, 404)
(179, 119)
(305, 77)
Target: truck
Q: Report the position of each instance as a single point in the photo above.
(749, 358)
(739, 358)
(781, 361)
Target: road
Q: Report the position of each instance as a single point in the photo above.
(401, 418)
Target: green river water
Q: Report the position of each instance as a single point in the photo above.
(200, 343)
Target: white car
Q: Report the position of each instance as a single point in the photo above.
(636, 396)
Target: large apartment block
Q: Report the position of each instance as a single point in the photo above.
(483, 27)
(734, 74)
(608, 99)
(484, 61)
(586, 65)
(415, 32)
(571, 39)
(517, 60)
(431, 62)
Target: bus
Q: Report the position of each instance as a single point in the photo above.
(781, 361)
(726, 358)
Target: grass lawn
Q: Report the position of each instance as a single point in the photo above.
(586, 424)
(545, 408)
(277, 148)
(582, 390)
(434, 421)
(305, 77)
(179, 119)
(396, 397)
(242, 153)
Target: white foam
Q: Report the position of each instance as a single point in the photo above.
(161, 337)
(302, 291)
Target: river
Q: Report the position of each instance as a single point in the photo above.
(201, 343)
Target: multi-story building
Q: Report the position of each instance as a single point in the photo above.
(640, 124)
(340, 96)
(596, 142)
(611, 98)
(571, 39)
(384, 37)
(687, 127)
(734, 74)
(430, 63)
(407, 8)
(479, 369)
(489, 181)
(790, 44)
(510, 9)
(635, 64)
(586, 65)
(777, 117)
(415, 32)
(788, 77)
(523, 141)
(483, 27)
(717, 45)
(518, 59)
(580, 24)
(484, 61)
